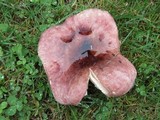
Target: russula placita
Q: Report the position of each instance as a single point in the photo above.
(85, 47)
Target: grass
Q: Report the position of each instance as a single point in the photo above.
(24, 89)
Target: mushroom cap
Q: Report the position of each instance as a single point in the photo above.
(86, 46)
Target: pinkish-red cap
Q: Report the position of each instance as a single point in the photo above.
(86, 46)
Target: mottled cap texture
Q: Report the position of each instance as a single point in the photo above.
(85, 47)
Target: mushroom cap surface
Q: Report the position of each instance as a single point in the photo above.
(85, 47)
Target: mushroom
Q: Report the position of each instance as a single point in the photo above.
(85, 47)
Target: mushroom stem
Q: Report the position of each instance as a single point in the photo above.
(97, 82)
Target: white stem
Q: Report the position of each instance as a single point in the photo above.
(96, 82)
